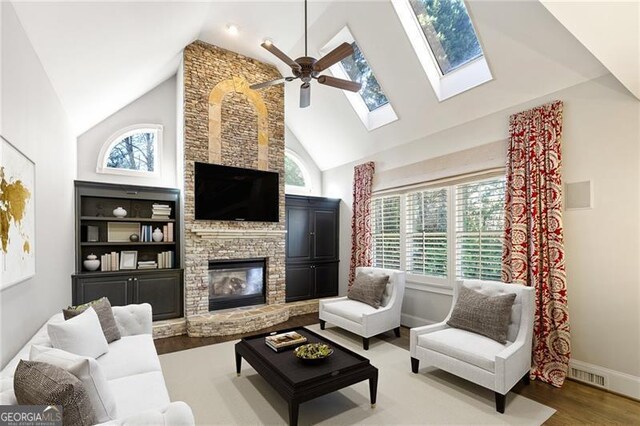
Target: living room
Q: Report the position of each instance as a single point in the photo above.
(444, 193)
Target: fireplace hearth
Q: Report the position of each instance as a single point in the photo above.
(236, 283)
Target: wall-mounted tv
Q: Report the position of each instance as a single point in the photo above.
(232, 193)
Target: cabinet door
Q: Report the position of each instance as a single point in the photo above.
(116, 288)
(299, 282)
(326, 279)
(162, 290)
(298, 233)
(325, 233)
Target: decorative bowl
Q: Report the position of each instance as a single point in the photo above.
(119, 212)
(92, 263)
(313, 353)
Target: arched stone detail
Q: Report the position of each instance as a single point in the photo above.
(238, 85)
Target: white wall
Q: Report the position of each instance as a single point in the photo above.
(292, 143)
(600, 142)
(158, 106)
(34, 120)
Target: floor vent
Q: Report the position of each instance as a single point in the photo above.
(588, 377)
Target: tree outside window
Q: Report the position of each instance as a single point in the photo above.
(134, 152)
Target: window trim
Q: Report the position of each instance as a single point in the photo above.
(293, 189)
(466, 77)
(372, 120)
(116, 137)
(425, 282)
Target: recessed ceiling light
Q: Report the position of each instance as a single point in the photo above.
(232, 29)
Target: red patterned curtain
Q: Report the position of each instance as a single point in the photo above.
(361, 217)
(533, 252)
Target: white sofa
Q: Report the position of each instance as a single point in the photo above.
(132, 369)
(362, 319)
(477, 358)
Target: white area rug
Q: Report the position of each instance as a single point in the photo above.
(205, 378)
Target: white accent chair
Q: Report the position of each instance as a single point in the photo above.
(477, 358)
(365, 320)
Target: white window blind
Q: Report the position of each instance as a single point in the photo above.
(426, 232)
(385, 231)
(479, 229)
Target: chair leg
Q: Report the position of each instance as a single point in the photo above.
(500, 401)
(365, 343)
(526, 379)
(397, 331)
(322, 323)
(415, 365)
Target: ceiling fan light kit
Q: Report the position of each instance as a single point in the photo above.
(307, 68)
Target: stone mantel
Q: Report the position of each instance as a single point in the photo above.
(232, 234)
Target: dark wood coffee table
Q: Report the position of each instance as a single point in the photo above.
(298, 382)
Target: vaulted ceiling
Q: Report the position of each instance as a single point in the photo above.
(102, 55)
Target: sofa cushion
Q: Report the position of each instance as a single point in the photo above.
(88, 371)
(368, 288)
(130, 355)
(81, 335)
(464, 346)
(139, 392)
(39, 383)
(349, 309)
(483, 314)
(105, 315)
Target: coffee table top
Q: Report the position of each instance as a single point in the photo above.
(289, 367)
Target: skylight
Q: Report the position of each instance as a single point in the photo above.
(358, 69)
(371, 103)
(446, 43)
(449, 32)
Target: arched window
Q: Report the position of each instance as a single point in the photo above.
(134, 151)
(296, 176)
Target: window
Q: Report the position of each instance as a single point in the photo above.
(441, 234)
(132, 151)
(479, 228)
(385, 232)
(296, 176)
(426, 236)
(371, 103)
(446, 43)
(357, 68)
(449, 32)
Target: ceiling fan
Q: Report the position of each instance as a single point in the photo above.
(307, 68)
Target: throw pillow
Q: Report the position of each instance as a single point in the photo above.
(38, 383)
(368, 289)
(81, 335)
(88, 371)
(105, 315)
(482, 314)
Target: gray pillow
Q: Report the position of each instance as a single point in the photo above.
(368, 289)
(482, 314)
(105, 316)
(39, 383)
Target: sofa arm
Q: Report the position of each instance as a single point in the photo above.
(416, 332)
(512, 363)
(134, 319)
(175, 414)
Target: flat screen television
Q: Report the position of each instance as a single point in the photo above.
(232, 193)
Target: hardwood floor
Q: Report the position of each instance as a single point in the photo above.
(575, 403)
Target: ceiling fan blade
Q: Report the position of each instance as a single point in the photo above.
(305, 95)
(281, 55)
(336, 55)
(352, 86)
(267, 84)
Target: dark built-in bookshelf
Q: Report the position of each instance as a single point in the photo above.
(101, 233)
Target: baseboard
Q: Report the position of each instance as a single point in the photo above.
(414, 321)
(614, 381)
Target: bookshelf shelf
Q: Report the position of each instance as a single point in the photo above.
(125, 219)
(128, 243)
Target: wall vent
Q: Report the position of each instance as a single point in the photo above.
(589, 377)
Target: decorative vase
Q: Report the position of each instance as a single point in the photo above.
(134, 238)
(92, 263)
(157, 235)
(119, 212)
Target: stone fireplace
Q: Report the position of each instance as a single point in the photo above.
(236, 283)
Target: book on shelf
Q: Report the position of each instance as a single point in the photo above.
(169, 234)
(160, 211)
(165, 260)
(282, 341)
(147, 264)
(110, 262)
